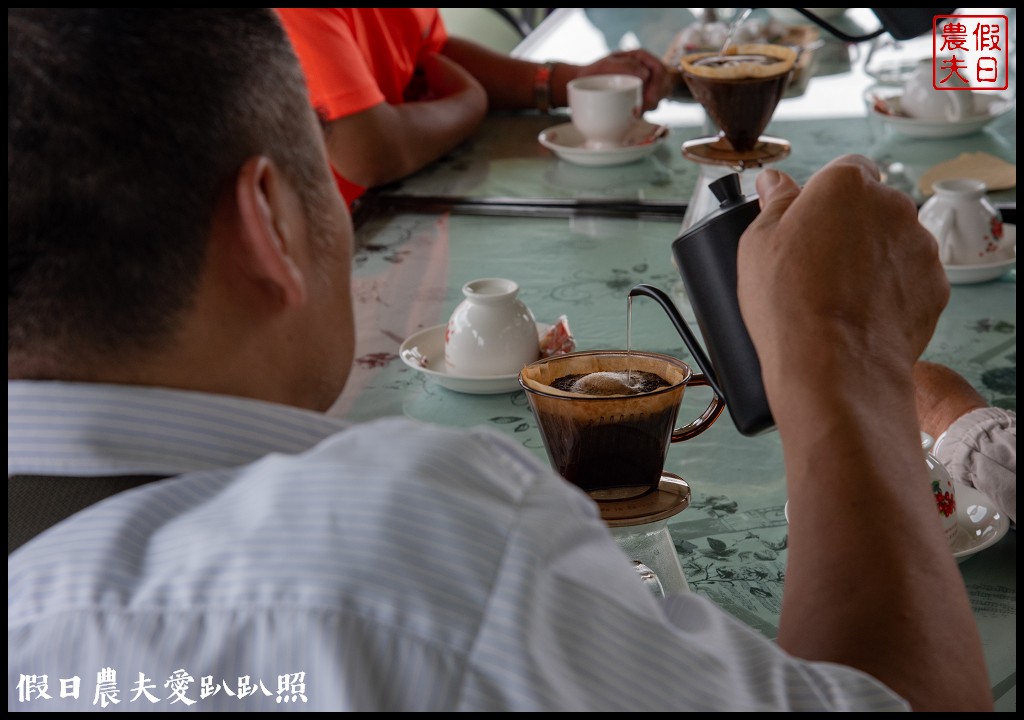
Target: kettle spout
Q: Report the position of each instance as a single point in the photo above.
(684, 331)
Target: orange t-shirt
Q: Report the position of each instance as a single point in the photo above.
(355, 58)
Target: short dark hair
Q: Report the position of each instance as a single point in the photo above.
(124, 128)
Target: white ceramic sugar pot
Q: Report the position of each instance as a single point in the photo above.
(492, 332)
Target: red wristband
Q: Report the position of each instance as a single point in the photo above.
(542, 87)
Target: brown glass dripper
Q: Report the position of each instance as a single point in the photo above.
(739, 95)
(613, 446)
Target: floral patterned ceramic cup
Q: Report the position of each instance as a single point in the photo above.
(966, 225)
(943, 490)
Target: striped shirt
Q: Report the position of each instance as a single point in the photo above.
(295, 562)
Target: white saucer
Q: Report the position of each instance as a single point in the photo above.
(969, 274)
(981, 524)
(566, 142)
(988, 109)
(427, 346)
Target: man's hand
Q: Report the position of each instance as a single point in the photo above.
(841, 267)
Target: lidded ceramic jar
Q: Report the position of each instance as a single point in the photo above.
(492, 332)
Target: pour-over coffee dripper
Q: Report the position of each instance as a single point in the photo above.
(610, 436)
(739, 91)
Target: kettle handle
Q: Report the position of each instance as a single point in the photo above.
(683, 329)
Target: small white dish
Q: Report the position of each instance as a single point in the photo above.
(970, 274)
(981, 524)
(987, 109)
(424, 352)
(567, 143)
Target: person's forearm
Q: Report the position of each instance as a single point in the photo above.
(431, 129)
(942, 397)
(870, 580)
(388, 143)
(509, 82)
(841, 288)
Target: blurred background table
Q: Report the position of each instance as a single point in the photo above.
(577, 239)
(504, 167)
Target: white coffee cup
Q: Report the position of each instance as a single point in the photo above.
(968, 228)
(604, 107)
(934, 97)
(492, 332)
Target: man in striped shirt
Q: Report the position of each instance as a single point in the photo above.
(179, 314)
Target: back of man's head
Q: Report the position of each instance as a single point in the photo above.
(125, 128)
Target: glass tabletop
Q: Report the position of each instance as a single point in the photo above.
(577, 238)
(409, 268)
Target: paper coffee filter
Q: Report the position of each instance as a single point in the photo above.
(538, 386)
(996, 173)
(539, 376)
(741, 71)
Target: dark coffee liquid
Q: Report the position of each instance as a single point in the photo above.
(622, 458)
(623, 382)
(616, 454)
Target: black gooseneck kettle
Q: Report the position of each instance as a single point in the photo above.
(706, 257)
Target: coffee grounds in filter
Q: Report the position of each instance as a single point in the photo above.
(605, 383)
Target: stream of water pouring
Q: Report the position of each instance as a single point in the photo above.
(629, 340)
(732, 28)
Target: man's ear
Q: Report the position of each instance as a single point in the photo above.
(271, 223)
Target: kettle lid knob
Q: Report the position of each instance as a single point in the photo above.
(727, 189)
